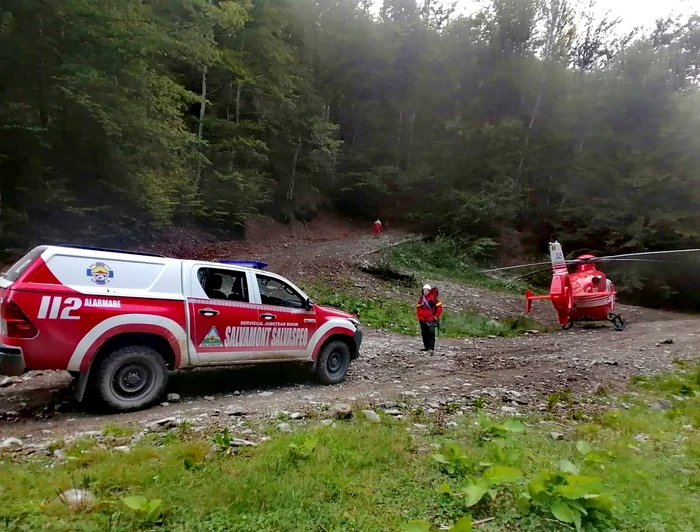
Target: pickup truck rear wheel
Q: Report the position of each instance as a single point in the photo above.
(131, 378)
(333, 362)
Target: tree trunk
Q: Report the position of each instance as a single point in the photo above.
(398, 139)
(200, 131)
(239, 88)
(412, 124)
(535, 108)
(290, 188)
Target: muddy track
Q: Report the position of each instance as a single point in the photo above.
(519, 372)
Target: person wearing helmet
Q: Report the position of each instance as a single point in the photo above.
(428, 311)
(593, 286)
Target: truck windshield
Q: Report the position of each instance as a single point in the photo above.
(22, 264)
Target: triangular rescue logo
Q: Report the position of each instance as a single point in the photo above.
(212, 339)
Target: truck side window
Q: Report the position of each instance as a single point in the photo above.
(224, 284)
(275, 292)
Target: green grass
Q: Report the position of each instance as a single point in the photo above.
(375, 477)
(399, 316)
(445, 258)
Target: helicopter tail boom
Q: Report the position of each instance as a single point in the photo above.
(529, 298)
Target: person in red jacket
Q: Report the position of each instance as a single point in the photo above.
(377, 228)
(429, 310)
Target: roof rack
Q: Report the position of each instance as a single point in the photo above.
(109, 250)
(258, 265)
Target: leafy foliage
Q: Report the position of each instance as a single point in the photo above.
(517, 116)
(150, 510)
(491, 429)
(568, 496)
(462, 525)
(303, 451)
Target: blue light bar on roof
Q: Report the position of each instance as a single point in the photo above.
(258, 265)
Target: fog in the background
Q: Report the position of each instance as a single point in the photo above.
(632, 13)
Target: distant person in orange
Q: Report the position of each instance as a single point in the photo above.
(377, 228)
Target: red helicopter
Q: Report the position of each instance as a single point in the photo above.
(586, 294)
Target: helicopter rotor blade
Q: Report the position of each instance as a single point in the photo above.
(626, 257)
(643, 254)
(528, 274)
(519, 266)
(603, 259)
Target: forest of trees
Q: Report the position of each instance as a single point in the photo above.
(120, 118)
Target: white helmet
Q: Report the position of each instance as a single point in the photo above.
(426, 287)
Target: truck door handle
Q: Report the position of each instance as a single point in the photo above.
(209, 312)
(268, 317)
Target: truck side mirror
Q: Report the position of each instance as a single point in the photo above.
(308, 304)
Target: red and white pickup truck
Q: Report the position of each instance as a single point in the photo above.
(119, 321)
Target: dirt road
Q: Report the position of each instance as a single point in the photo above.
(514, 373)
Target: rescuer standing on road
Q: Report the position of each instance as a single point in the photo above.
(428, 311)
(377, 227)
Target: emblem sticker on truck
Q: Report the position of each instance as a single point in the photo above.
(100, 273)
(212, 339)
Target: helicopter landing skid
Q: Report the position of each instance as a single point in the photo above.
(615, 319)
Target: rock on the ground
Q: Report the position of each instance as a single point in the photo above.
(600, 389)
(662, 404)
(556, 435)
(89, 434)
(9, 381)
(392, 412)
(341, 410)
(509, 409)
(238, 442)
(236, 411)
(163, 424)
(327, 422)
(641, 438)
(173, 397)
(76, 498)
(11, 442)
(284, 427)
(371, 415)
(123, 449)
(296, 415)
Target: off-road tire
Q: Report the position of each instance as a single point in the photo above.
(333, 362)
(131, 378)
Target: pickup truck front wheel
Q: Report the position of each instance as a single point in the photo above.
(333, 362)
(131, 377)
